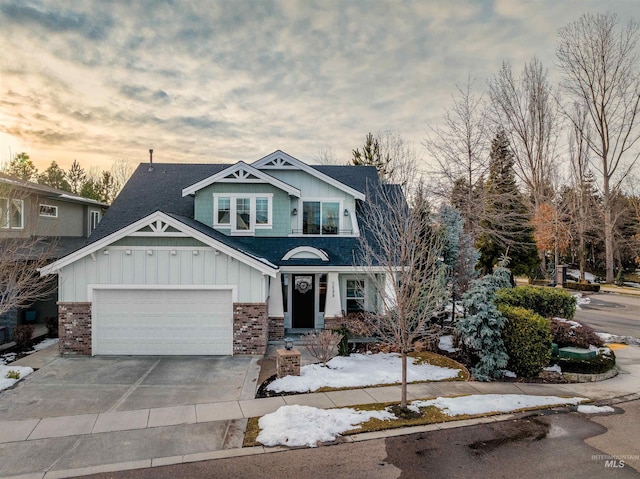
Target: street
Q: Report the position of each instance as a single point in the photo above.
(612, 313)
(568, 445)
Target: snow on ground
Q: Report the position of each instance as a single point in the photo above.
(580, 300)
(575, 273)
(589, 409)
(44, 344)
(574, 324)
(360, 370)
(446, 344)
(5, 382)
(485, 403)
(509, 374)
(307, 426)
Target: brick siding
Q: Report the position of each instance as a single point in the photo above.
(250, 328)
(276, 329)
(287, 362)
(74, 328)
(334, 323)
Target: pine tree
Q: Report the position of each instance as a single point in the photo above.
(76, 177)
(54, 176)
(372, 155)
(480, 330)
(22, 167)
(506, 224)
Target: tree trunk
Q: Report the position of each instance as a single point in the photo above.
(608, 231)
(403, 400)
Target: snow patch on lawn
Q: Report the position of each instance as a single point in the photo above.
(589, 409)
(554, 369)
(445, 343)
(573, 324)
(360, 370)
(308, 426)
(5, 382)
(485, 403)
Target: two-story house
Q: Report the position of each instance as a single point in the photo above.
(61, 221)
(217, 259)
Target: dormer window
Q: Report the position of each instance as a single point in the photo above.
(320, 217)
(242, 213)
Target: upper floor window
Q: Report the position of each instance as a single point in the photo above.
(49, 211)
(241, 212)
(94, 219)
(11, 213)
(320, 217)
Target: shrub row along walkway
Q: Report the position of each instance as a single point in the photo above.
(40, 432)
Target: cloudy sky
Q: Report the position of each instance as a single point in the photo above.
(228, 80)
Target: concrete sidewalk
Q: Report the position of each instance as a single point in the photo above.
(90, 443)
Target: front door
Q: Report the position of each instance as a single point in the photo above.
(304, 301)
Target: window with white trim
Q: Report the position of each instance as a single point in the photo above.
(11, 213)
(242, 213)
(49, 211)
(94, 219)
(355, 295)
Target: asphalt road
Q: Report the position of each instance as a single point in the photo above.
(612, 313)
(567, 445)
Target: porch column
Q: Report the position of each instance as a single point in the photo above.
(276, 310)
(390, 299)
(333, 306)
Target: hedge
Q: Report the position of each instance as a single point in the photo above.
(594, 287)
(547, 302)
(527, 339)
(577, 335)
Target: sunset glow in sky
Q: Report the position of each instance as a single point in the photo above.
(227, 80)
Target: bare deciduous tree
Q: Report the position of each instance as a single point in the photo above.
(600, 66)
(121, 171)
(526, 109)
(401, 254)
(460, 148)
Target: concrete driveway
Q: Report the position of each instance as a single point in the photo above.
(89, 385)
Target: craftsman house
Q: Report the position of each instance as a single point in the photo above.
(216, 259)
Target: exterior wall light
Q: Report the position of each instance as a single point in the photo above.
(346, 212)
(288, 344)
(128, 252)
(295, 212)
(150, 252)
(173, 252)
(106, 252)
(195, 252)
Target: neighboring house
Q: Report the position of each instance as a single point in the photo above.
(61, 220)
(216, 259)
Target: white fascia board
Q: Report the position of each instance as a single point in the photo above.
(263, 265)
(241, 165)
(308, 169)
(332, 269)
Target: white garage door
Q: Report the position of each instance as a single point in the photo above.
(162, 322)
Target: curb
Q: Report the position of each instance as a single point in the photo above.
(256, 450)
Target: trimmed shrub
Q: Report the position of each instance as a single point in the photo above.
(527, 339)
(51, 322)
(343, 345)
(574, 334)
(547, 302)
(594, 287)
(598, 365)
(22, 334)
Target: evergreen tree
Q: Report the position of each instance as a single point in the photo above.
(91, 189)
(22, 167)
(54, 176)
(506, 224)
(480, 330)
(107, 187)
(76, 177)
(372, 155)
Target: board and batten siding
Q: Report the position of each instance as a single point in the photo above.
(164, 266)
(281, 213)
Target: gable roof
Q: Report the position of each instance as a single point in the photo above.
(48, 191)
(279, 160)
(174, 221)
(241, 172)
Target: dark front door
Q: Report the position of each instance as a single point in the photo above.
(304, 304)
